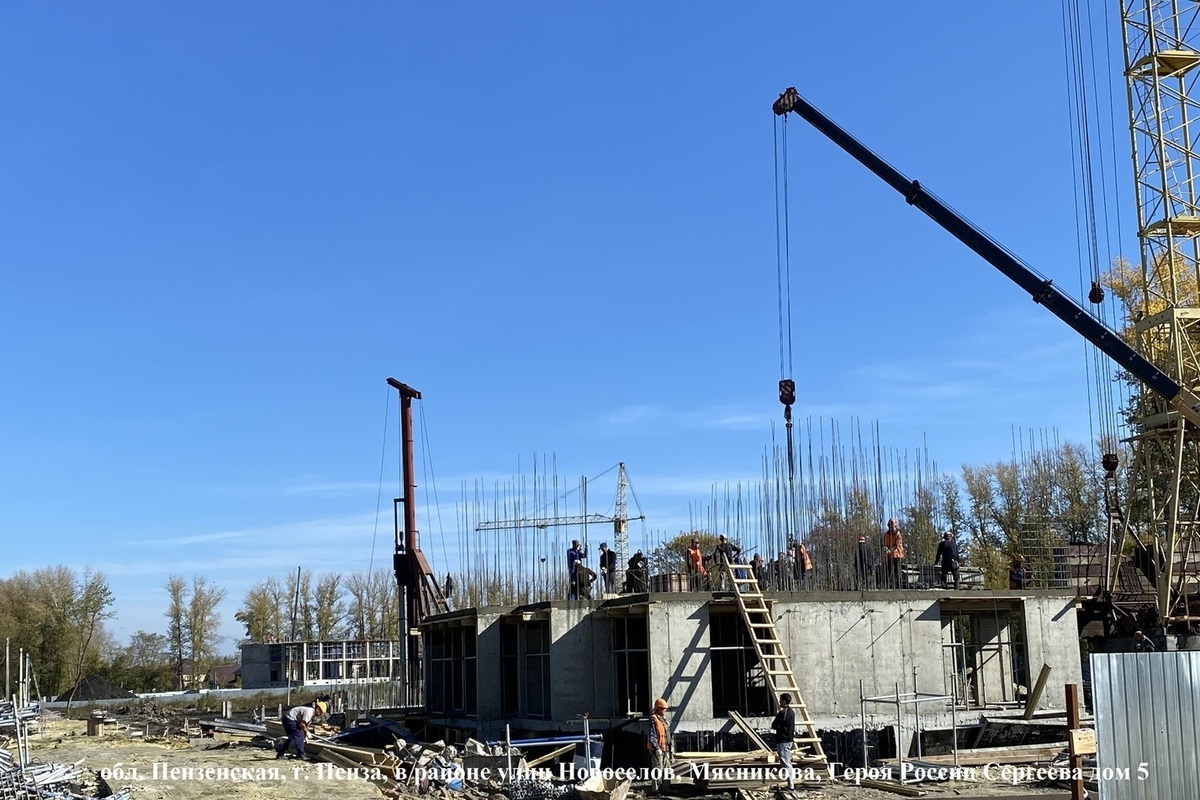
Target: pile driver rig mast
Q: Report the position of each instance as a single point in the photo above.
(420, 594)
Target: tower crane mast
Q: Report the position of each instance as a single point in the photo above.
(1162, 66)
(619, 520)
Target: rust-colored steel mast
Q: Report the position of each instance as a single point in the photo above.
(420, 594)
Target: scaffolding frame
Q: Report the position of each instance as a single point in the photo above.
(900, 700)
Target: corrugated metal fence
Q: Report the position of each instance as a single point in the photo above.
(1147, 709)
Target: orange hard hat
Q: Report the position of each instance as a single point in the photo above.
(660, 703)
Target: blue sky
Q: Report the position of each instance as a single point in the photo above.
(223, 225)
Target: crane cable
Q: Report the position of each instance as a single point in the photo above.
(783, 279)
(1080, 50)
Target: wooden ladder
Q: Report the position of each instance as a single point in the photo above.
(776, 665)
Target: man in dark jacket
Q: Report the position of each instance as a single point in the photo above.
(947, 556)
(864, 563)
(785, 731)
(608, 568)
(637, 573)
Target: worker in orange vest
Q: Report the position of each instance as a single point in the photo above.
(694, 563)
(893, 554)
(801, 563)
(658, 741)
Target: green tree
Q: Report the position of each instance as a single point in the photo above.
(203, 624)
(58, 617)
(262, 611)
(330, 611)
(176, 615)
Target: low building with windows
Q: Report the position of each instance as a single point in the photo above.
(541, 667)
(279, 664)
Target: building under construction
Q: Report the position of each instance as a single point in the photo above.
(509, 649)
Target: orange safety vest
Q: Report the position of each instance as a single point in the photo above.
(695, 560)
(802, 557)
(894, 542)
(660, 728)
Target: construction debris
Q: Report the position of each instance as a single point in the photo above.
(22, 779)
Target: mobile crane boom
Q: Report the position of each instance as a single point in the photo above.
(1043, 291)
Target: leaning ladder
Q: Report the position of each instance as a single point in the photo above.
(775, 664)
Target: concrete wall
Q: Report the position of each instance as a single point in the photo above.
(679, 657)
(256, 667)
(576, 686)
(487, 674)
(1052, 630)
(834, 640)
(881, 640)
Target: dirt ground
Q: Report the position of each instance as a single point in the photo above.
(173, 769)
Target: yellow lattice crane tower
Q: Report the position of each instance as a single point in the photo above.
(1162, 65)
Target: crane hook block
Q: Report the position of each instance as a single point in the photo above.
(1096, 295)
(787, 391)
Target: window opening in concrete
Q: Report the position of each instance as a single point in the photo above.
(986, 660)
(738, 683)
(631, 645)
(451, 670)
(536, 641)
(510, 694)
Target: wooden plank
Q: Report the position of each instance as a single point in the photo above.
(1038, 687)
(1021, 754)
(553, 754)
(741, 722)
(893, 787)
(751, 755)
(341, 761)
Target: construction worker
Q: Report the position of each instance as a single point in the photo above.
(785, 732)
(576, 552)
(801, 563)
(759, 567)
(864, 563)
(893, 554)
(296, 723)
(693, 562)
(608, 568)
(637, 573)
(1142, 643)
(658, 742)
(585, 577)
(947, 556)
(726, 553)
(1018, 573)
